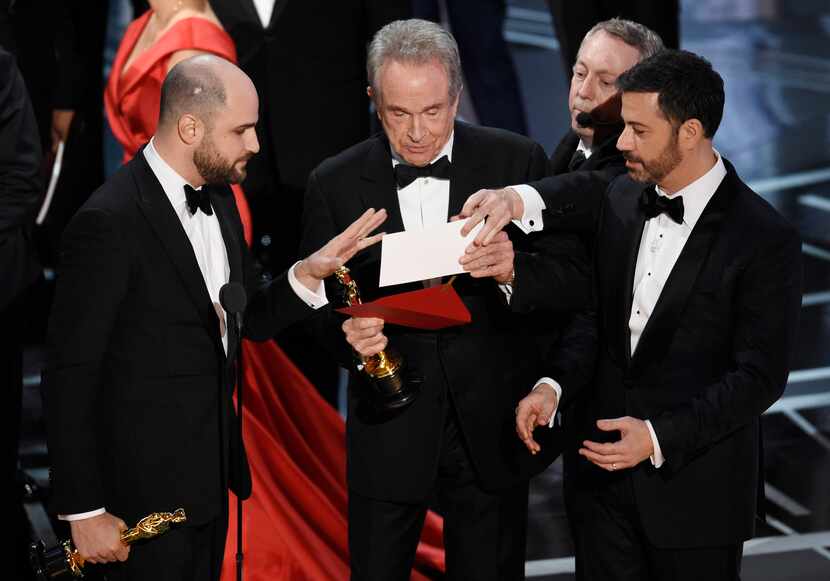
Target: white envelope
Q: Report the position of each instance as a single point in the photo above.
(424, 254)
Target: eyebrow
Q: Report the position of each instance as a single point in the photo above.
(246, 125)
(427, 108)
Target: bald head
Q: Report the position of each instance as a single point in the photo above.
(197, 86)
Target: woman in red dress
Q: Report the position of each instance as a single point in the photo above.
(295, 521)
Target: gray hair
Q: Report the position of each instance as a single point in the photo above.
(414, 41)
(192, 86)
(645, 40)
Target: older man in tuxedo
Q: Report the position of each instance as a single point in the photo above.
(139, 372)
(456, 440)
(698, 290)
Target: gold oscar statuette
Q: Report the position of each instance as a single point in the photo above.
(382, 371)
(65, 558)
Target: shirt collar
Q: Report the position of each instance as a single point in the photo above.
(583, 148)
(171, 182)
(698, 193)
(446, 150)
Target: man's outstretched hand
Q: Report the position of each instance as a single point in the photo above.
(499, 207)
(310, 271)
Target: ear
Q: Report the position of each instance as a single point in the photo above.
(375, 101)
(190, 129)
(690, 134)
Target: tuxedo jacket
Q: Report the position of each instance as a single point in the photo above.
(137, 384)
(713, 356)
(484, 367)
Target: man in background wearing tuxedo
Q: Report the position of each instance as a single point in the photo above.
(587, 158)
(697, 296)
(139, 375)
(21, 190)
(456, 441)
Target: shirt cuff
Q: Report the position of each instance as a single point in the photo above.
(313, 299)
(531, 220)
(82, 515)
(656, 458)
(557, 389)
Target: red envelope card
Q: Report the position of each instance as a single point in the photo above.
(431, 308)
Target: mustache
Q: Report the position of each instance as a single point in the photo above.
(629, 157)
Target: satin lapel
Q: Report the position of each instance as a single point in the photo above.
(163, 220)
(379, 190)
(223, 203)
(464, 175)
(563, 153)
(633, 222)
(662, 323)
(279, 6)
(251, 11)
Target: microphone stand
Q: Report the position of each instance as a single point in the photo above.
(240, 463)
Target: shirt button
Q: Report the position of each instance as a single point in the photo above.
(638, 311)
(531, 222)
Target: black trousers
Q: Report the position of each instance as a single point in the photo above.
(181, 554)
(484, 533)
(611, 545)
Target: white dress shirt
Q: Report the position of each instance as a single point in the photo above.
(662, 242)
(205, 238)
(264, 9)
(426, 201)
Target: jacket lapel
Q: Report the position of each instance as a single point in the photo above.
(662, 323)
(563, 153)
(633, 223)
(380, 191)
(224, 206)
(163, 220)
(463, 171)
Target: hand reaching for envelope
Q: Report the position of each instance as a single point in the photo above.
(365, 335)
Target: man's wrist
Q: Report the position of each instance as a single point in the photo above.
(517, 206)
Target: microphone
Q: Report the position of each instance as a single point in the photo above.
(585, 119)
(233, 298)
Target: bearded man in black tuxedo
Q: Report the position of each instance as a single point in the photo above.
(697, 296)
(139, 374)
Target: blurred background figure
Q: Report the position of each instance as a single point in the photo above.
(20, 195)
(308, 61)
(59, 47)
(489, 71)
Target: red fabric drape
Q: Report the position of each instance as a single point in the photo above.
(295, 521)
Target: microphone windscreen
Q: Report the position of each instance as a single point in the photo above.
(584, 119)
(233, 297)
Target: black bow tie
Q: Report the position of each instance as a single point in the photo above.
(653, 205)
(406, 174)
(198, 200)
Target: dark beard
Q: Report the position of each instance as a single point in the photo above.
(213, 168)
(655, 171)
